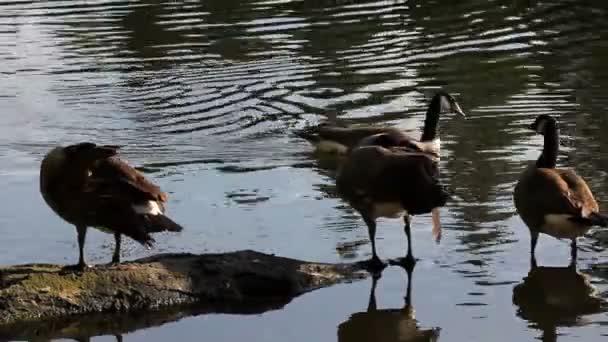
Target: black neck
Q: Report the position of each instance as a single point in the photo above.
(548, 159)
(431, 121)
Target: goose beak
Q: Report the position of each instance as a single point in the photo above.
(459, 110)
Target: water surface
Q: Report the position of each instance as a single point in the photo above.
(205, 95)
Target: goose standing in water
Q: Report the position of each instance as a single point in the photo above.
(88, 186)
(380, 179)
(554, 201)
(335, 139)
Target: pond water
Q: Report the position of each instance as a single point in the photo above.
(205, 95)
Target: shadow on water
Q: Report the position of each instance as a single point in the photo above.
(553, 297)
(84, 327)
(386, 325)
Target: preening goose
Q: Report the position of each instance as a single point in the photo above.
(380, 180)
(554, 201)
(335, 139)
(88, 186)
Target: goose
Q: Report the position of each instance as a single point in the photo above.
(554, 201)
(380, 180)
(87, 185)
(339, 140)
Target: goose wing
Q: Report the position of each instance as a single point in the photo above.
(560, 191)
(578, 194)
(116, 177)
(121, 199)
(397, 139)
(375, 173)
(347, 136)
(411, 178)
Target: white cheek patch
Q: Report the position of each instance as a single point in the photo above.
(445, 104)
(541, 126)
(150, 208)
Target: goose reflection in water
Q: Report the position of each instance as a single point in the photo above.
(551, 297)
(386, 325)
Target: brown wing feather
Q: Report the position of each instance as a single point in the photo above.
(396, 138)
(578, 193)
(395, 174)
(552, 191)
(125, 180)
(112, 190)
(114, 212)
(351, 136)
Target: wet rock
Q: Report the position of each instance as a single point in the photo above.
(239, 280)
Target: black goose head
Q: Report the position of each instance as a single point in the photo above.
(544, 124)
(446, 103)
(442, 102)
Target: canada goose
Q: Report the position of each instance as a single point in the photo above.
(387, 181)
(87, 185)
(554, 201)
(340, 140)
(556, 296)
(386, 325)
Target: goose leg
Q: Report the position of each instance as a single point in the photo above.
(533, 241)
(82, 234)
(409, 258)
(573, 252)
(116, 256)
(371, 305)
(408, 293)
(375, 262)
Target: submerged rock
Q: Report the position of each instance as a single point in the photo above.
(229, 282)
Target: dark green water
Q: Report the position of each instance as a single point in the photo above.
(206, 94)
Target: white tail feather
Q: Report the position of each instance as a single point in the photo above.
(150, 208)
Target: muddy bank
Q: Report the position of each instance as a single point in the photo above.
(234, 281)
